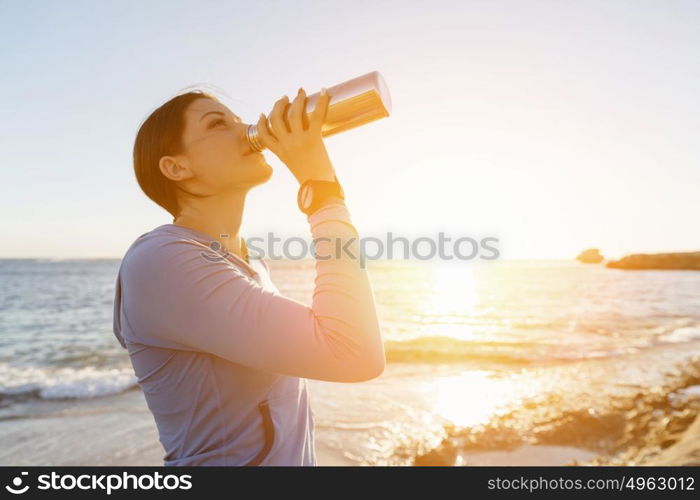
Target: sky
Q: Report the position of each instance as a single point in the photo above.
(553, 126)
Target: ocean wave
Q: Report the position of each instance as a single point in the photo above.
(571, 347)
(437, 349)
(683, 334)
(66, 382)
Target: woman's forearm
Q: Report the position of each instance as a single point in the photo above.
(343, 301)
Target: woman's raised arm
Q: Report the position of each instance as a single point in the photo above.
(175, 298)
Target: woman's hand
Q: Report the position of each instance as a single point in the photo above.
(297, 143)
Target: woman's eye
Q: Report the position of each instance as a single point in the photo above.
(216, 122)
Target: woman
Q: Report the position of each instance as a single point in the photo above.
(222, 357)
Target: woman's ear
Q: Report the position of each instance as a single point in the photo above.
(174, 169)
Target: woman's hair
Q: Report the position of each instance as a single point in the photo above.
(160, 135)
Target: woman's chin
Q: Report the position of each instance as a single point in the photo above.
(260, 173)
(266, 171)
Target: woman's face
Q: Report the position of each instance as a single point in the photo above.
(216, 153)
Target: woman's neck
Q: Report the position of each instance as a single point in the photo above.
(217, 216)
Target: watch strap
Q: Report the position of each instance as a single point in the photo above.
(319, 191)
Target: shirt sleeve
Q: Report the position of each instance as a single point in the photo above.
(174, 297)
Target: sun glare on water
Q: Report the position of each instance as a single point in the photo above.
(450, 297)
(475, 396)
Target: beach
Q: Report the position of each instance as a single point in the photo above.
(517, 363)
(518, 179)
(118, 430)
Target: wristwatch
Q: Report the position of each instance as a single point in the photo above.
(313, 192)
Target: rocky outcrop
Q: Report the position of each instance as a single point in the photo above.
(590, 256)
(682, 260)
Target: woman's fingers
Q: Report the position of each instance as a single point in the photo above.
(277, 118)
(318, 115)
(266, 138)
(296, 112)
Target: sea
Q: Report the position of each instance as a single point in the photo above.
(557, 361)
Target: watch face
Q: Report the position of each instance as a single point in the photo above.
(306, 196)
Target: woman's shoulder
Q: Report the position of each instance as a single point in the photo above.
(154, 240)
(164, 246)
(168, 249)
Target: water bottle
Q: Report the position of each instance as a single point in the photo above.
(352, 103)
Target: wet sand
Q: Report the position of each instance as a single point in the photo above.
(108, 431)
